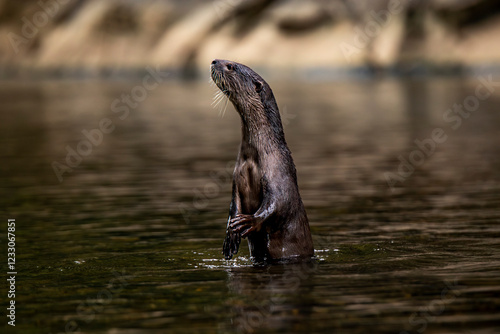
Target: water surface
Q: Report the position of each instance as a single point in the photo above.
(130, 240)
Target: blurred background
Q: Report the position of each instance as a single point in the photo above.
(118, 168)
(60, 37)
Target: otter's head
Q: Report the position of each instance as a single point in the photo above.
(244, 88)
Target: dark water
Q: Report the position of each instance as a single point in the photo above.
(130, 240)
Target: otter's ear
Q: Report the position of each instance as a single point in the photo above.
(258, 85)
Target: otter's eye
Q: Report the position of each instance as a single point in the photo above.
(230, 67)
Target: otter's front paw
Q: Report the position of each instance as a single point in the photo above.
(245, 224)
(231, 244)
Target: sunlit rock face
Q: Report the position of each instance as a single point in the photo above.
(295, 34)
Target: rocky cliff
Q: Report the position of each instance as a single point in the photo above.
(286, 34)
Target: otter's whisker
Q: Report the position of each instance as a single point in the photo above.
(216, 95)
(217, 98)
(225, 107)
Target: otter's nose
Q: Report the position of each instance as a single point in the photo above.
(214, 62)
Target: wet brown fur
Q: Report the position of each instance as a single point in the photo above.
(266, 207)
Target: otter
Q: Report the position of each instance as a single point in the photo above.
(266, 207)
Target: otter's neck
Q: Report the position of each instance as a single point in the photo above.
(261, 125)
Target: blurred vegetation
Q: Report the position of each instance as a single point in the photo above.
(186, 35)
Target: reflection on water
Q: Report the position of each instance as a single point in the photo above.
(130, 240)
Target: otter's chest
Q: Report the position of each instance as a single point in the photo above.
(248, 179)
